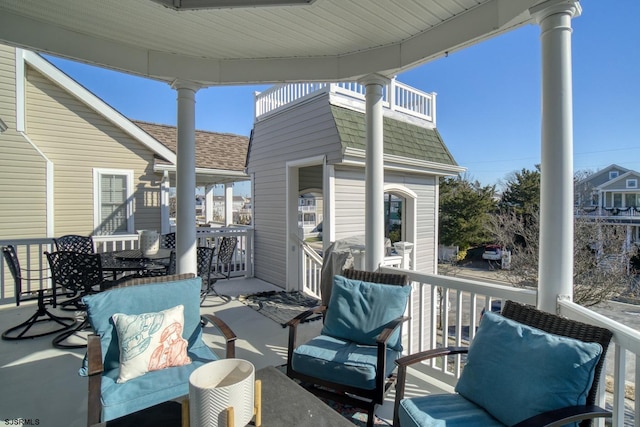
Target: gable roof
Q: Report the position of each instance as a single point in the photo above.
(54, 74)
(221, 151)
(601, 172)
(405, 142)
(629, 174)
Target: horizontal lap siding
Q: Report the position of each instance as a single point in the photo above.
(349, 201)
(302, 132)
(22, 168)
(77, 139)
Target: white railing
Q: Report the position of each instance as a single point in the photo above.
(463, 302)
(311, 271)
(608, 212)
(31, 256)
(396, 97)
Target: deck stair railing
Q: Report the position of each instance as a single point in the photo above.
(446, 310)
(396, 97)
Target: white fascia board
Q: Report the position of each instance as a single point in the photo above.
(354, 156)
(474, 25)
(77, 90)
(204, 171)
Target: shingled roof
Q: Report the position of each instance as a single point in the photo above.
(400, 138)
(214, 150)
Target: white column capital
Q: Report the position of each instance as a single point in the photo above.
(374, 79)
(551, 7)
(185, 84)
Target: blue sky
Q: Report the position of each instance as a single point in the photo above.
(488, 102)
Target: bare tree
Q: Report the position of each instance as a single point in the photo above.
(601, 256)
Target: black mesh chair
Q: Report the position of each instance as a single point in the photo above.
(43, 296)
(205, 270)
(78, 274)
(224, 256)
(168, 241)
(75, 243)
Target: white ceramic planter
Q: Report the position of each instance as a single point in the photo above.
(217, 386)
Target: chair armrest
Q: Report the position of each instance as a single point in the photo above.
(405, 361)
(95, 368)
(229, 336)
(563, 416)
(389, 329)
(321, 309)
(411, 359)
(293, 331)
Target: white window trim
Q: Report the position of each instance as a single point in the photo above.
(613, 174)
(634, 181)
(96, 195)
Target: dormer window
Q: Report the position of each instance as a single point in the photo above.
(613, 174)
(632, 183)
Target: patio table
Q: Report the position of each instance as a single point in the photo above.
(284, 404)
(133, 261)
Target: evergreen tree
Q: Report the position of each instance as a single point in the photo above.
(465, 209)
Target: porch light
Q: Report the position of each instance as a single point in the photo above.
(222, 4)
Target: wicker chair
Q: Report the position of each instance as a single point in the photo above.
(550, 323)
(75, 243)
(43, 296)
(360, 396)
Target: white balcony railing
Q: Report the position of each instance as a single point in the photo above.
(31, 255)
(396, 97)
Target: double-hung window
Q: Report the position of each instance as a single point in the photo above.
(113, 201)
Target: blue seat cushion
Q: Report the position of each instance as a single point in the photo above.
(359, 311)
(515, 371)
(139, 299)
(119, 399)
(341, 361)
(443, 410)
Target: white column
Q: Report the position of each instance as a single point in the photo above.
(555, 269)
(186, 254)
(208, 203)
(228, 204)
(374, 172)
(165, 185)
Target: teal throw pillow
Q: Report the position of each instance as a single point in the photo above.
(516, 371)
(358, 311)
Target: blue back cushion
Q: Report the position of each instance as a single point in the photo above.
(515, 371)
(358, 311)
(143, 299)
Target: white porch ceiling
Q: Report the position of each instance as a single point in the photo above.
(326, 40)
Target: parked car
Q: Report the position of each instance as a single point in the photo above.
(492, 253)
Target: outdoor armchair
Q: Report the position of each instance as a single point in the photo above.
(131, 318)
(351, 361)
(524, 368)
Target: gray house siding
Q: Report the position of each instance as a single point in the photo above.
(304, 132)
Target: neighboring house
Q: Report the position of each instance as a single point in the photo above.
(71, 164)
(310, 209)
(315, 143)
(612, 194)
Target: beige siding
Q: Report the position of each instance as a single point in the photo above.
(77, 140)
(22, 168)
(349, 202)
(306, 131)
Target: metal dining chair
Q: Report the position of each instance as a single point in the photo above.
(205, 269)
(75, 243)
(79, 274)
(44, 296)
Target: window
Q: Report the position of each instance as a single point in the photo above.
(632, 183)
(113, 201)
(613, 174)
(594, 199)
